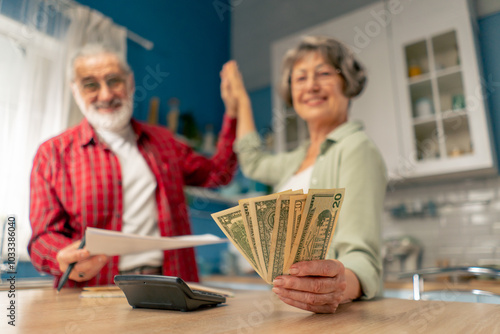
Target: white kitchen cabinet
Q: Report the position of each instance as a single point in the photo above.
(444, 122)
(362, 31)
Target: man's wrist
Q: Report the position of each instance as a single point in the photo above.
(231, 113)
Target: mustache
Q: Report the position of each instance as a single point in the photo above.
(114, 103)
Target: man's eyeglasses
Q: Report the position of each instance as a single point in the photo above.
(93, 86)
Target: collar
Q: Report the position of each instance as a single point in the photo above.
(344, 130)
(88, 136)
(340, 133)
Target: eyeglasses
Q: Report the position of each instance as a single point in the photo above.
(322, 77)
(92, 86)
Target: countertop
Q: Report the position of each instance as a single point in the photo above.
(429, 285)
(256, 283)
(46, 311)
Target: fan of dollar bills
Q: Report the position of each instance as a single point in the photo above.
(273, 232)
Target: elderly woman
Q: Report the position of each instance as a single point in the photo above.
(320, 76)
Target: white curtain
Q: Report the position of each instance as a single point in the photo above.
(36, 102)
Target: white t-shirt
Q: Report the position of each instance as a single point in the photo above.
(298, 181)
(140, 212)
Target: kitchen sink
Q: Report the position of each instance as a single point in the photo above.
(473, 296)
(448, 292)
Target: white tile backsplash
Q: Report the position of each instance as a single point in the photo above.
(459, 196)
(452, 250)
(482, 194)
(481, 230)
(471, 207)
(487, 241)
(496, 228)
(481, 250)
(453, 220)
(481, 219)
(466, 230)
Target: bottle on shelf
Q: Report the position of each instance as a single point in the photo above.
(173, 114)
(208, 140)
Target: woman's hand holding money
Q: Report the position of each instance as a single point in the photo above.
(318, 286)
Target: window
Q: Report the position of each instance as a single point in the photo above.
(31, 110)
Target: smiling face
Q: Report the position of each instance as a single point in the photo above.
(103, 91)
(316, 89)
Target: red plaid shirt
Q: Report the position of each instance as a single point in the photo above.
(76, 182)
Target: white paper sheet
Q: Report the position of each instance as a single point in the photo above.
(99, 241)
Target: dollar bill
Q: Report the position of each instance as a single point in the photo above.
(279, 238)
(297, 203)
(249, 228)
(232, 224)
(317, 225)
(263, 211)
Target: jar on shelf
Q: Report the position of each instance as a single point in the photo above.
(414, 69)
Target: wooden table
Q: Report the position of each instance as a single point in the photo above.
(45, 311)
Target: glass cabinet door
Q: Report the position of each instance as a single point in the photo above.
(435, 86)
(295, 129)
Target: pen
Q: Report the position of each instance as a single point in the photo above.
(64, 277)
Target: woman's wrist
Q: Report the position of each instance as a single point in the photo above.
(243, 100)
(353, 289)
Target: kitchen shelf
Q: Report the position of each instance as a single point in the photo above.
(419, 78)
(447, 71)
(424, 119)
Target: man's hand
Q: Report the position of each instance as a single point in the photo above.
(318, 286)
(86, 266)
(232, 89)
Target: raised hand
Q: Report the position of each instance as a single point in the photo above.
(233, 90)
(236, 98)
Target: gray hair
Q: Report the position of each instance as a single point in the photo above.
(336, 54)
(90, 50)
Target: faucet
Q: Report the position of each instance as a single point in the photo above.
(418, 277)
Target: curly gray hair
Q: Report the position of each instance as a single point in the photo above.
(336, 54)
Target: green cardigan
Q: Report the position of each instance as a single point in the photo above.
(348, 159)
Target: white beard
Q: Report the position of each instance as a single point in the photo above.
(109, 121)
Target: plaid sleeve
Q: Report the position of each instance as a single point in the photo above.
(47, 216)
(218, 170)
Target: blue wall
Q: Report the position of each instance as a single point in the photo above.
(489, 41)
(191, 43)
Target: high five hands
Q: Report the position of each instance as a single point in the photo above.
(232, 89)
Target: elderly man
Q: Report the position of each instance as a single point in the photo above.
(115, 173)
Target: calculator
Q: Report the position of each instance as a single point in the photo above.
(164, 292)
